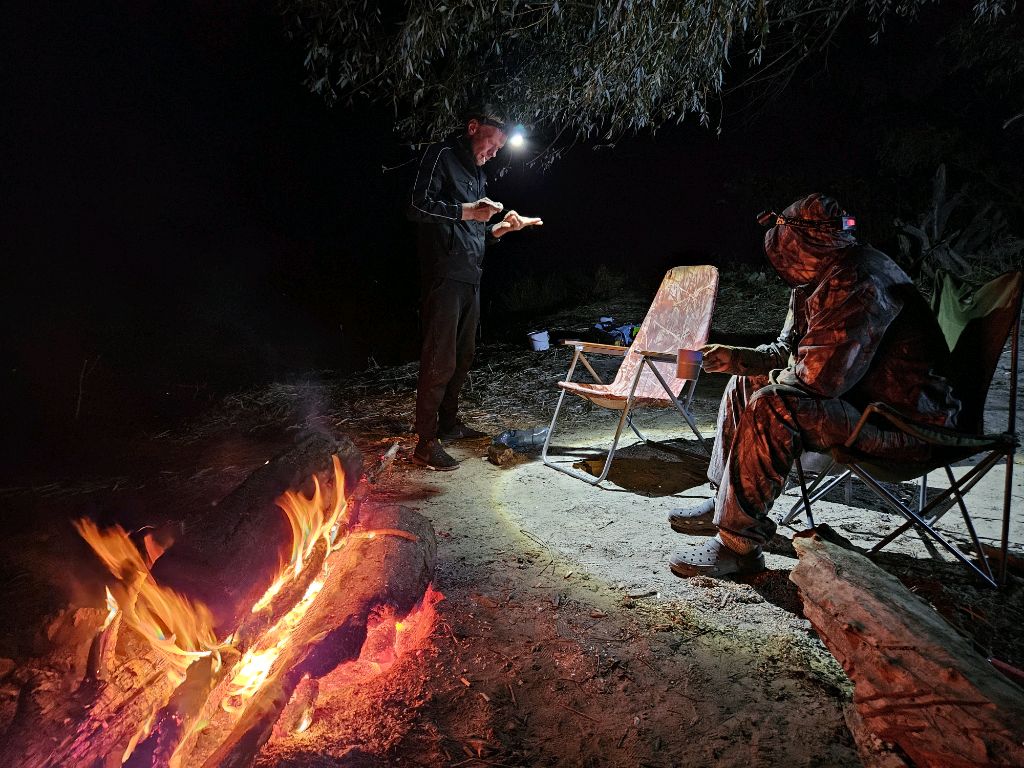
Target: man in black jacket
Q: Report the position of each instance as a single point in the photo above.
(450, 205)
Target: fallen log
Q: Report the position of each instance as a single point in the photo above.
(917, 682)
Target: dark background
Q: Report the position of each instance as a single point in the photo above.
(181, 217)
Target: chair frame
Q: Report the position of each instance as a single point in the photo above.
(996, 447)
(648, 358)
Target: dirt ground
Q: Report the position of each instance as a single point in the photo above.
(562, 639)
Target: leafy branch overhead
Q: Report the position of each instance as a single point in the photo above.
(582, 70)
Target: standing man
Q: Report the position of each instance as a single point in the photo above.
(451, 208)
(858, 332)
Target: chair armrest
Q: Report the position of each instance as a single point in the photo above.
(661, 357)
(604, 349)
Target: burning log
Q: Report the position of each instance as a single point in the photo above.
(387, 563)
(234, 553)
(918, 683)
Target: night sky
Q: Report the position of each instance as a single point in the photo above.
(182, 217)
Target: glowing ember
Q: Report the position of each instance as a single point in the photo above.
(254, 668)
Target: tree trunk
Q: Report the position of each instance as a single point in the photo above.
(918, 683)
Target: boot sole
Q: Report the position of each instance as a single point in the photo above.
(743, 568)
(427, 465)
(701, 528)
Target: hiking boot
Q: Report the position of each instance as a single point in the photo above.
(713, 558)
(431, 455)
(459, 431)
(698, 520)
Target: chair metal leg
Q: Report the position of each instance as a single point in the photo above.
(886, 495)
(579, 475)
(678, 404)
(941, 504)
(1004, 544)
(818, 488)
(803, 492)
(968, 523)
(547, 443)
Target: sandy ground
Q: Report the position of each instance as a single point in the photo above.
(562, 638)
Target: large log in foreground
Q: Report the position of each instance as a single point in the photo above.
(231, 555)
(918, 683)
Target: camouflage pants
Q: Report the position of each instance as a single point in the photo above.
(762, 429)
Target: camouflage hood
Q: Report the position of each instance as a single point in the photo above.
(802, 255)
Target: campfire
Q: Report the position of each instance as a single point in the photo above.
(210, 645)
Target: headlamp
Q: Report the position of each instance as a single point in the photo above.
(843, 223)
(516, 133)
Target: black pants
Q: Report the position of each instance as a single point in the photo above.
(450, 313)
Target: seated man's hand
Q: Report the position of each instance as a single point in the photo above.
(719, 358)
(481, 210)
(513, 222)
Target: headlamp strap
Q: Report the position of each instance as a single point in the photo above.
(843, 223)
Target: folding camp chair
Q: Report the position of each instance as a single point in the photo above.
(976, 323)
(679, 318)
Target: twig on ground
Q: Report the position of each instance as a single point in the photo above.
(581, 714)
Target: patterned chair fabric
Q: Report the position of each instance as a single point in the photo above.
(679, 318)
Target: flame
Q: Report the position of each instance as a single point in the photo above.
(307, 720)
(180, 629)
(254, 668)
(112, 609)
(141, 734)
(309, 523)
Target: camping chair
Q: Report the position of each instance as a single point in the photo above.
(976, 323)
(679, 318)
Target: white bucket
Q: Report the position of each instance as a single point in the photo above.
(539, 340)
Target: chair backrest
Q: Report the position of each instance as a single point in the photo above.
(976, 321)
(679, 318)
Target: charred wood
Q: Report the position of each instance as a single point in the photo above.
(231, 556)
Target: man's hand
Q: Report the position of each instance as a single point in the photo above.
(719, 358)
(513, 222)
(481, 210)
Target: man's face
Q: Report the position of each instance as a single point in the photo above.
(485, 140)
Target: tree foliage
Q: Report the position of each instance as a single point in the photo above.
(573, 69)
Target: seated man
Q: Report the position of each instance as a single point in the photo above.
(857, 332)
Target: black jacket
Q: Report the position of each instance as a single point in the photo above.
(448, 246)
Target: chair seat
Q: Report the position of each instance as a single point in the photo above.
(941, 456)
(608, 396)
